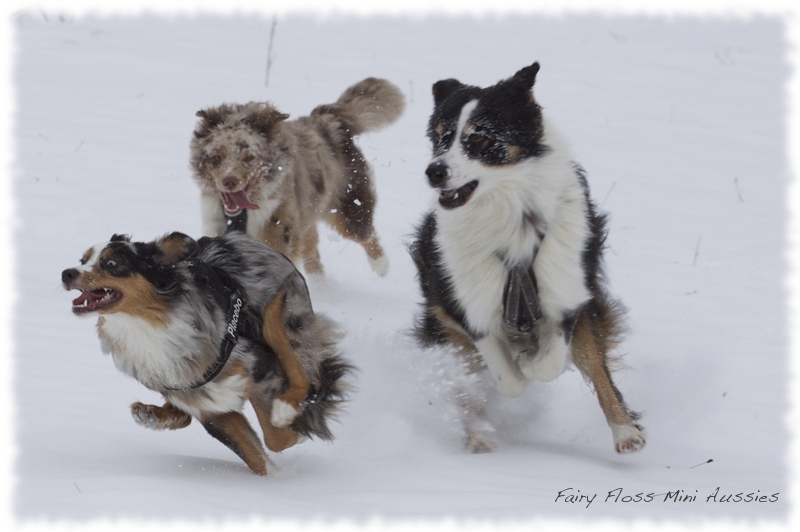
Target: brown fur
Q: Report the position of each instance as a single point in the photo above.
(140, 299)
(156, 282)
(297, 172)
(276, 337)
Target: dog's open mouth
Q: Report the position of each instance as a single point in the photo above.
(234, 202)
(456, 197)
(91, 300)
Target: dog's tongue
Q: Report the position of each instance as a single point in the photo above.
(236, 201)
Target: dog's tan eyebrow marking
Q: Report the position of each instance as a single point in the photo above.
(513, 151)
(440, 128)
(86, 256)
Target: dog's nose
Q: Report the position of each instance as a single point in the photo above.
(69, 275)
(437, 173)
(230, 182)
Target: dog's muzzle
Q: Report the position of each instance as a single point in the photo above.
(438, 173)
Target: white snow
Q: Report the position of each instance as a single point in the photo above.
(681, 125)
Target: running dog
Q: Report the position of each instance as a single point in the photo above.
(211, 324)
(276, 178)
(509, 259)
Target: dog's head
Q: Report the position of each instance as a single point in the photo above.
(479, 134)
(233, 152)
(133, 277)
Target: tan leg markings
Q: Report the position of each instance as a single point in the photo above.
(235, 432)
(277, 439)
(590, 360)
(275, 335)
(309, 251)
(359, 231)
(373, 248)
(167, 417)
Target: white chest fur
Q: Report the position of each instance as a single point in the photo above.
(496, 223)
(163, 356)
(151, 354)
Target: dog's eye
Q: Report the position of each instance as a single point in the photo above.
(111, 264)
(214, 160)
(249, 158)
(476, 140)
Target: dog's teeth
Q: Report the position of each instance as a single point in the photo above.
(456, 196)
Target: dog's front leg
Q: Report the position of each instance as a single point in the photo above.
(554, 354)
(506, 375)
(233, 430)
(167, 417)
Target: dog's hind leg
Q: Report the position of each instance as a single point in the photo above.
(309, 252)
(352, 216)
(479, 433)
(233, 430)
(286, 407)
(589, 353)
(167, 417)
(276, 438)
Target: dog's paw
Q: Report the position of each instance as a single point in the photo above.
(380, 265)
(544, 366)
(145, 415)
(283, 413)
(154, 417)
(628, 438)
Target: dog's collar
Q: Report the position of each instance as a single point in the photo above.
(229, 297)
(236, 223)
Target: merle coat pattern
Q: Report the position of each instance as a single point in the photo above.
(162, 319)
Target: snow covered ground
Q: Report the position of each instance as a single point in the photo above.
(681, 125)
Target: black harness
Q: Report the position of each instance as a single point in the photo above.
(521, 301)
(236, 223)
(228, 295)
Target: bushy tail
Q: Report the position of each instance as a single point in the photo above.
(325, 399)
(369, 105)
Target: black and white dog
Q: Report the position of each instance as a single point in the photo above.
(510, 257)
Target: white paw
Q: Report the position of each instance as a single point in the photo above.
(380, 265)
(506, 374)
(142, 416)
(627, 438)
(546, 364)
(282, 413)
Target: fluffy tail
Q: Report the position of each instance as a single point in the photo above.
(369, 105)
(325, 400)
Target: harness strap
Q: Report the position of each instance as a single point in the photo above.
(236, 223)
(521, 299)
(229, 297)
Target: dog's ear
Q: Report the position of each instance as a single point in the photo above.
(444, 88)
(174, 248)
(527, 75)
(210, 118)
(264, 119)
(120, 238)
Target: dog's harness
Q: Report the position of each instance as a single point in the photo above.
(236, 223)
(521, 300)
(238, 322)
